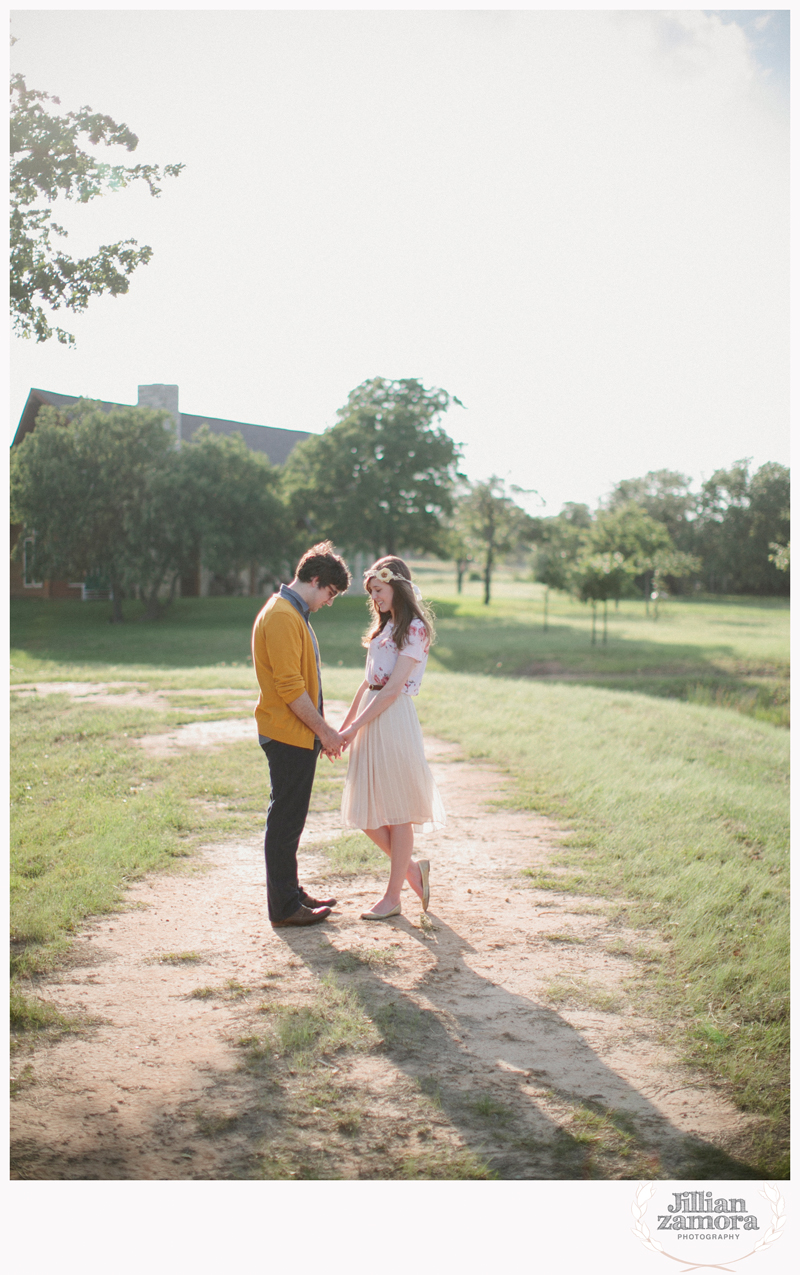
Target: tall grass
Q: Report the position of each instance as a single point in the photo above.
(83, 821)
(678, 811)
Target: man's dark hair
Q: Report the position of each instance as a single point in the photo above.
(320, 563)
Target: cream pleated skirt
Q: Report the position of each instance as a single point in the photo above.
(388, 779)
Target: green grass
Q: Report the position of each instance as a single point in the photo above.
(352, 855)
(582, 994)
(87, 815)
(490, 1109)
(598, 1143)
(91, 812)
(459, 1165)
(31, 1014)
(763, 697)
(77, 635)
(399, 1024)
(333, 1020)
(727, 652)
(679, 813)
(374, 958)
(676, 804)
(212, 1124)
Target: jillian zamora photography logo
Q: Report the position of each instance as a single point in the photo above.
(706, 1226)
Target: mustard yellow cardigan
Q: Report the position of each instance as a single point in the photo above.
(285, 665)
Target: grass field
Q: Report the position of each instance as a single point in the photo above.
(727, 652)
(675, 810)
(680, 814)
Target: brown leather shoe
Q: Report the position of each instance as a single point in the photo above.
(308, 902)
(303, 916)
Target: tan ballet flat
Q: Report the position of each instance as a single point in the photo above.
(381, 916)
(425, 867)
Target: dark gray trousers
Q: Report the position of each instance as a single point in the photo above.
(291, 776)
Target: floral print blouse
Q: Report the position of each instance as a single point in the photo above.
(382, 656)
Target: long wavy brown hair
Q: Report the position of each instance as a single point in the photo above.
(405, 605)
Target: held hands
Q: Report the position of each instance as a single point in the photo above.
(344, 738)
(332, 743)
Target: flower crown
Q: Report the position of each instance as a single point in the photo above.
(385, 574)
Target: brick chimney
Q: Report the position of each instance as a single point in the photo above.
(163, 398)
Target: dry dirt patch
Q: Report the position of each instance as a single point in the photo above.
(101, 694)
(507, 1031)
(137, 695)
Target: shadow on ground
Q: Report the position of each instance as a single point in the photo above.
(487, 1058)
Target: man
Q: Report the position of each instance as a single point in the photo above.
(291, 727)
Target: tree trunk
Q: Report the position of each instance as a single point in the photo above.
(116, 604)
(461, 567)
(546, 598)
(594, 622)
(487, 575)
(605, 621)
(153, 609)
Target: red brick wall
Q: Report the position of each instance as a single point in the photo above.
(48, 588)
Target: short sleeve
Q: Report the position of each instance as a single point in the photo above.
(416, 643)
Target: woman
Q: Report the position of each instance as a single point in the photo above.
(390, 791)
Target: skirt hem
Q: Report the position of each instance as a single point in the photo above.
(388, 780)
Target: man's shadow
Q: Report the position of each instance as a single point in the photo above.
(509, 1048)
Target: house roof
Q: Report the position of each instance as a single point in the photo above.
(275, 443)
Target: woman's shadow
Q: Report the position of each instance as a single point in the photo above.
(488, 1056)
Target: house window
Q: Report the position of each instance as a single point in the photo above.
(95, 588)
(27, 560)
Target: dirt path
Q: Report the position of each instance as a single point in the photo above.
(507, 1035)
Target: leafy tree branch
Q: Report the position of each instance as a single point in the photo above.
(48, 161)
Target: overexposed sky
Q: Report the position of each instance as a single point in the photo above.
(575, 221)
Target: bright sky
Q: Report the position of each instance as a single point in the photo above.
(575, 221)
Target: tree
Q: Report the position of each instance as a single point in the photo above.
(780, 555)
(596, 577)
(85, 483)
(739, 518)
(112, 494)
(768, 495)
(667, 565)
(492, 524)
(238, 520)
(663, 494)
(381, 479)
(158, 536)
(48, 161)
(213, 502)
(458, 551)
(628, 529)
(561, 540)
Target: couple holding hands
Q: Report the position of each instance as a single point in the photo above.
(389, 792)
